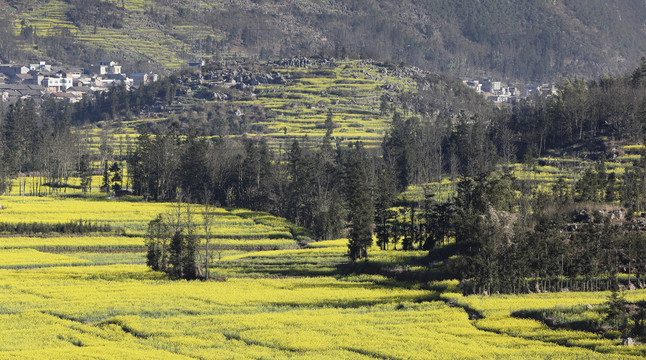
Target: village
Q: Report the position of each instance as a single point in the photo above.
(41, 80)
(495, 92)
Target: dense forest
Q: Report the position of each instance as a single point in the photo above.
(531, 41)
(506, 232)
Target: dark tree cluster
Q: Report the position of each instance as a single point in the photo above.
(506, 237)
(553, 248)
(95, 13)
(8, 48)
(72, 227)
(38, 140)
(172, 245)
(314, 187)
(507, 241)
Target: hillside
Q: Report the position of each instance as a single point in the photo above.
(539, 40)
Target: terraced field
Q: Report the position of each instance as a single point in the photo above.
(138, 38)
(498, 317)
(351, 90)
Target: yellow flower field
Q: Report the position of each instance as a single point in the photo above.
(98, 310)
(92, 296)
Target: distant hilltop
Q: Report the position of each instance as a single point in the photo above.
(531, 41)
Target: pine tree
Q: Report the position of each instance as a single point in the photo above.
(117, 178)
(329, 123)
(383, 202)
(361, 209)
(616, 312)
(105, 185)
(85, 173)
(176, 254)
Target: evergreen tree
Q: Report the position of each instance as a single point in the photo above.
(384, 198)
(329, 123)
(616, 312)
(611, 188)
(140, 165)
(85, 173)
(117, 178)
(400, 149)
(193, 170)
(329, 215)
(20, 136)
(176, 255)
(360, 205)
(105, 185)
(183, 248)
(301, 188)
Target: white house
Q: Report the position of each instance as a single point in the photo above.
(41, 66)
(107, 67)
(57, 84)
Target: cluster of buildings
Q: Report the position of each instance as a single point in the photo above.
(494, 91)
(41, 80)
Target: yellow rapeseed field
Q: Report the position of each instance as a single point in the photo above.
(91, 296)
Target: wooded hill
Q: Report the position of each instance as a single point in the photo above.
(538, 40)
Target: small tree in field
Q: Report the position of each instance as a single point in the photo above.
(105, 185)
(157, 241)
(616, 313)
(174, 254)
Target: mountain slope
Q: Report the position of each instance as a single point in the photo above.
(534, 40)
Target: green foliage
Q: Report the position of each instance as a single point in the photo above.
(360, 203)
(175, 254)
